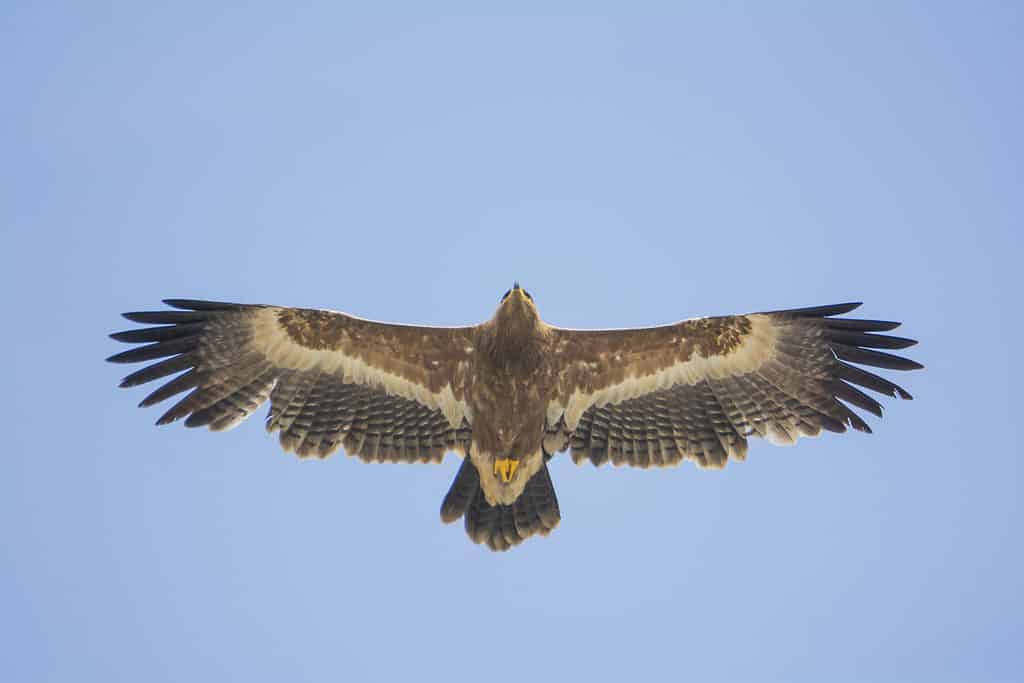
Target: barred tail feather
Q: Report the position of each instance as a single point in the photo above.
(501, 527)
(461, 493)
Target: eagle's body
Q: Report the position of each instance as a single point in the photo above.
(511, 392)
(510, 381)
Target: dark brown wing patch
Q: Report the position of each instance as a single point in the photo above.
(312, 328)
(593, 359)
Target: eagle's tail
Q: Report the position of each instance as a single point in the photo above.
(502, 526)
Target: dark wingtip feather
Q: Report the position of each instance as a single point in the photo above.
(856, 397)
(839, 309)
(179, 409)
(158, 350)
(831, 424)
(864, 427)
(165, 317)
(877, 359)
(133, 355)
(857, 325)
(200, 304)
(858, 423)
(181, 383)
(166, 367)
(868, 380)
(867, 340)
(820, 311)
(155, 334)
(201, 418)
(167, 418)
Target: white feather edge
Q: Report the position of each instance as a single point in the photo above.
(757, 347)
(280, 350)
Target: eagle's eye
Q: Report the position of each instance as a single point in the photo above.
(506, 295)
(527, 295)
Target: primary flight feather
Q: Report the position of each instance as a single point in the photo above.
(509, 393)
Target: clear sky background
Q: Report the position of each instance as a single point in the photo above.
(629, 169)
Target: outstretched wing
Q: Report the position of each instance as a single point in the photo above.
(697, 389)
(384, 392)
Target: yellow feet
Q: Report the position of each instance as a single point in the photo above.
(505, 468)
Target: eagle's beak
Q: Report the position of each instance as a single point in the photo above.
(505, 468)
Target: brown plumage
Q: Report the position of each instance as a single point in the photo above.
(511, 392)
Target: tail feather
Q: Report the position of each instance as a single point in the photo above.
(460, 495)
(538, 506)
(501, 527)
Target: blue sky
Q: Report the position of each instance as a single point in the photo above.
(629, 169)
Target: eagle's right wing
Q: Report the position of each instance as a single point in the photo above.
(698, 388)
(384, 392)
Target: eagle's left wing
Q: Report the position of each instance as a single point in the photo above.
(384, 392)
(697, 389)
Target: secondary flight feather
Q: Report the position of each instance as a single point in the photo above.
(508, 394)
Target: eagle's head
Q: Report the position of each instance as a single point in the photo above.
(517, 303)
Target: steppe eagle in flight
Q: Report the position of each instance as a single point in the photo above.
(509, 393)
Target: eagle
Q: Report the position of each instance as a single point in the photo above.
(508, 394)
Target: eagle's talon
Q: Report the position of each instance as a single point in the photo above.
(505, 468)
